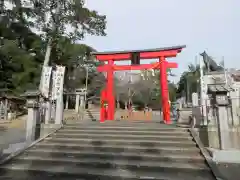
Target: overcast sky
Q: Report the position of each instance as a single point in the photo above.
(211, 25)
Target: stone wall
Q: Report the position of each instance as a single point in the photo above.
(210, 138)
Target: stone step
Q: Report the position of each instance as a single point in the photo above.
(56, 152)
(171, 137)
(148, 166)
(97, 110)
(150, 143)
(90, 118)
(92, 113)
(115, 148)
(61, 172)
(94, 167)
(133, 132)
(135, 127)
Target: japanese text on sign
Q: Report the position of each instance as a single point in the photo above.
(45, 81)
(58, 82)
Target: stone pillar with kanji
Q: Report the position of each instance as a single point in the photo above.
(60, 71)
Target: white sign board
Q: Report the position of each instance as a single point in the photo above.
(58, 82)
(45, 81)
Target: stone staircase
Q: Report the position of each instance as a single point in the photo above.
(111, 151)
(92, 114)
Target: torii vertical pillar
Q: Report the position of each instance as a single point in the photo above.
(164, 90)
(110, 95)
(103, 110)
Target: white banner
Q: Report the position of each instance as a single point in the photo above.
(45, 81)
(58, 82)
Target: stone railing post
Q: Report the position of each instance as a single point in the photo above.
(80, 99)
(77, 103)
(67, 101)
(48, 108)
(33, 124)
(6, 109)
(59, 110)
(53, 112)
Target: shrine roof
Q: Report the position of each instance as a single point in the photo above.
(219, 88)
(139, 51)
(10, 97)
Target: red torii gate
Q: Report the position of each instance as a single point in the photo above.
(135, 56)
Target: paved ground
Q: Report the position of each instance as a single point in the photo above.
(229, 171)
(12, 135)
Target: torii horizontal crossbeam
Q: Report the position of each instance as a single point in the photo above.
(135, 67)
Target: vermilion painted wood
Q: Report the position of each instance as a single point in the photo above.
(105, 68)
(143, 55)
(103, 110)
(164, 90)
(162, 65)
(110, 96)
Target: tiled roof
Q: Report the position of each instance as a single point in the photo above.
(219, 88)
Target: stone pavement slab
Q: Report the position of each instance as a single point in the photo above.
(229, 171)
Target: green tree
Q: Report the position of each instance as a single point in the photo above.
(71, 19)
(189, 82)
(22, 51)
